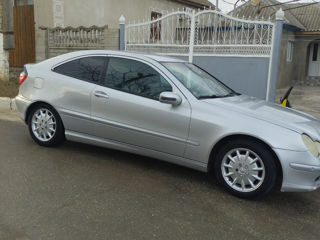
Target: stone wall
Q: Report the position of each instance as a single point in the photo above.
(4, 54)
(4, 63)
(14, 73)
(1, 18)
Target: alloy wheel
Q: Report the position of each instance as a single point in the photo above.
(43, 125)
(243, 170)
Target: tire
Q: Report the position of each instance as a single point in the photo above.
(45, 126)
(251, 177)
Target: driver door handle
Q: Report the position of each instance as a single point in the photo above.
(101, 94)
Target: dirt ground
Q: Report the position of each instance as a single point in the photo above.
(9, 89)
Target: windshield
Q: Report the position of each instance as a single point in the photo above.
(198, 82)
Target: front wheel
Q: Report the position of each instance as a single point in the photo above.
(245, 168)
(45, 126)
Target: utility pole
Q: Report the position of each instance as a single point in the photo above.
(217, 5)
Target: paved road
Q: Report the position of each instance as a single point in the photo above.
(84, 192)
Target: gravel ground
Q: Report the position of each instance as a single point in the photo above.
(304, 98)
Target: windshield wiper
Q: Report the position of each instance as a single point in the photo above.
(232, 94)
(210, 96)
(217, 96)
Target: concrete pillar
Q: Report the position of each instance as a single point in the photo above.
(42, 51)
(192, 33)
(275, 57)
(4, 61)
(122, 43)
(6, 37)
(111, 39)
(7, 16)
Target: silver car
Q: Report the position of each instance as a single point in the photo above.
(171, 110)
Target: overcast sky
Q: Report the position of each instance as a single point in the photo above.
(226, 7)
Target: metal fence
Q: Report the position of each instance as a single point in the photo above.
(201, 32)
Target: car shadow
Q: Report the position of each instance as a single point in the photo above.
(203, 182)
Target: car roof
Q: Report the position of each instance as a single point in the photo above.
(146, 57)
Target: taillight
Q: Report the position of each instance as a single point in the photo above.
(23, 76)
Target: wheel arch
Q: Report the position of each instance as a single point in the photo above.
(37, 103)
(229, 138)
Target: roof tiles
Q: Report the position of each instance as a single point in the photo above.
(301, 15)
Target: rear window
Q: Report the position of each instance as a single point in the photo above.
(88, 69)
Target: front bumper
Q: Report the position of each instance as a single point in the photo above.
(301, 171)
(22, 105)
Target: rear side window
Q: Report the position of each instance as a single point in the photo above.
(89, 69)
(136, 78)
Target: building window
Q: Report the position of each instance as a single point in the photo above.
(155, 29)
(289, 51)
(23, 2)
(315, 52)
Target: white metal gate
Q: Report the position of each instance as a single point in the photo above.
(203, 32)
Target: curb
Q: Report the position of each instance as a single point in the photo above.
(7, 104)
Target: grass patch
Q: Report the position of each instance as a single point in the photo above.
(9, 89)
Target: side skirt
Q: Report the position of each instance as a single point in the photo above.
(87, 139)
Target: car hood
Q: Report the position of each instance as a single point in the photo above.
(270, 112)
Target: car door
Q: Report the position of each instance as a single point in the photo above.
(76, 79)
(126, 108)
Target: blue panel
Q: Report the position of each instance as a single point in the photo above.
(247, 75)
(291, 28)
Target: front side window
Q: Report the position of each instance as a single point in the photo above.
(198, 82)
(136, 78)
(89, 69)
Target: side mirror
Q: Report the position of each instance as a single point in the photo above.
(170, 98)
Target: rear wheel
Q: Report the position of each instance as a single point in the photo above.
(245, 168)
(45, 126)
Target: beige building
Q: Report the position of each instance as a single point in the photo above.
(74, 13)
(42, 28)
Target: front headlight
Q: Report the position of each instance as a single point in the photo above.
(313, 147)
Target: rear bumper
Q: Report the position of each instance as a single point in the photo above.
(301, 171)
(22, 105)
